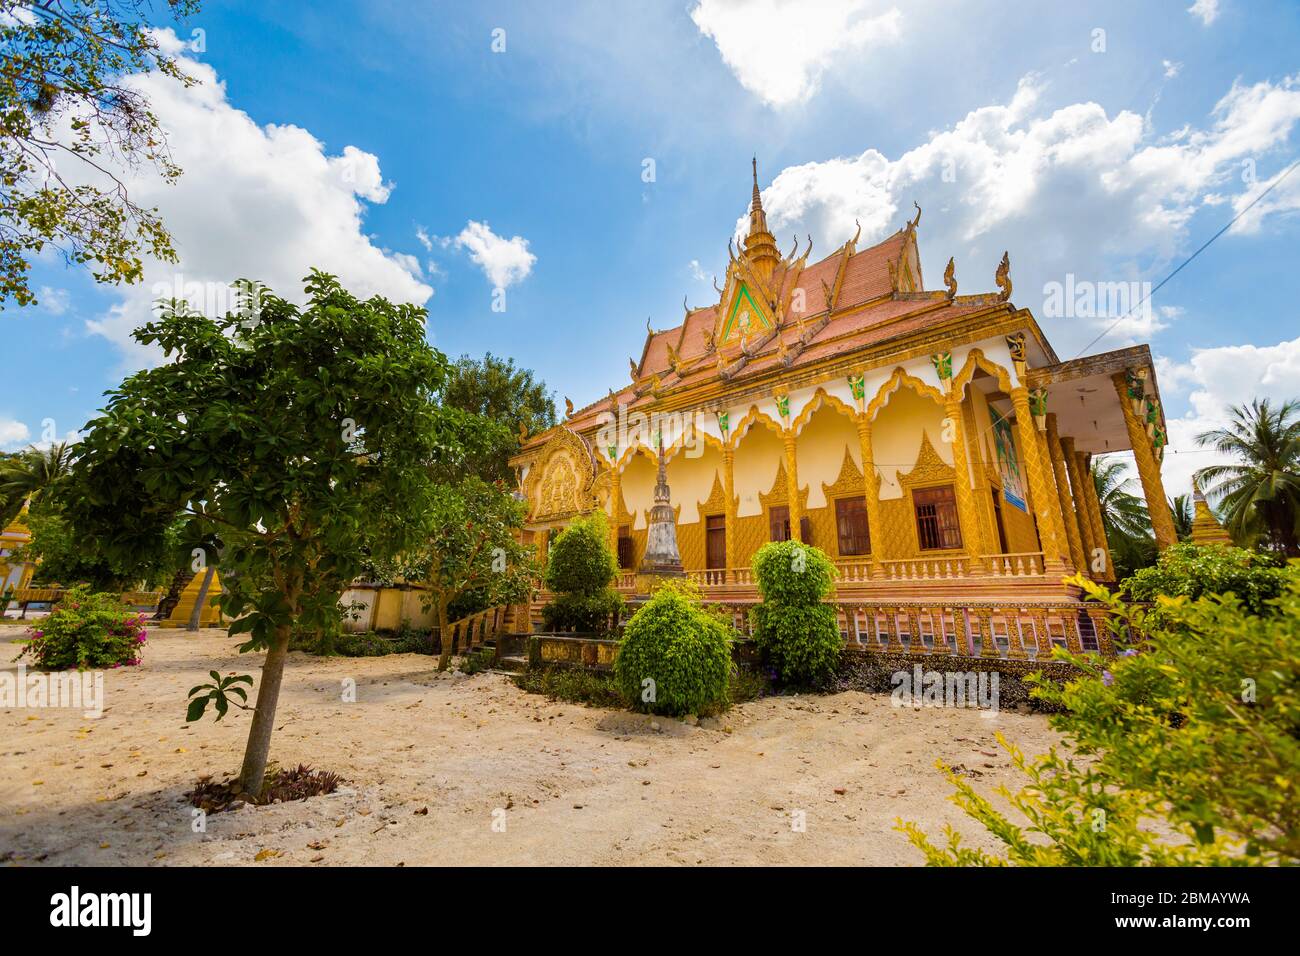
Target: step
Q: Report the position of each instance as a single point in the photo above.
(512, 664)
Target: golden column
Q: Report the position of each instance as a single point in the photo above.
(1162, 522)
(1069, 514)
(729, 506)
(966, 513)
(871, 493)
(1092, 504)
(1094, 546)
(792, 487)
(1043, 500)
(615, 495)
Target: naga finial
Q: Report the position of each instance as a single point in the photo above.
(854, 241)
(568, 407)
(794, 248)
(917, 221)
(523, 433)
(715, 286)
(950, 278)
(1003, 277)
(808, 250)
(649, 330)
(636, 372)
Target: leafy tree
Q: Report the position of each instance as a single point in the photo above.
(496, 389)
(794, 629)
(1195, 729)
(287, 433)
(65, 557)
(580, 567)
(473, 548)
(27, 475)
(72, 123)
(1190, 570)
(1261, 495)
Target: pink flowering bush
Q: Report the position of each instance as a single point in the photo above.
(87, 631)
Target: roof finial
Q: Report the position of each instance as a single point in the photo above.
(758, 201)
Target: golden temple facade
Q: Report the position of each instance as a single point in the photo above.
(930, 442)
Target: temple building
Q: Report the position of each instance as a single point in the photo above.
(930, 442)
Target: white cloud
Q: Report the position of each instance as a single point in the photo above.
(1172, 69)
(1207, 11)
(53, 301)
(424, 238)
(257, 202)
(1213, 380)
(697, 272)
(13, 433)
(503, 261)
(1074, 191)
(1279, 194)
(778, 49)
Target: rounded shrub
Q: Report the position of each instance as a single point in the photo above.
(794, 631)
(87, 631)
(580, 560)
(792, 573)
(675, 657)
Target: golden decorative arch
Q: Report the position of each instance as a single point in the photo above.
(753, 417)
(899, 379)
(822, 397)
(637, 447)
(676, 447)
(977, 359)
(561, 483)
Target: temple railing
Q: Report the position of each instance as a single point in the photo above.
(966, 628)
(1015, 564)
(864, 571)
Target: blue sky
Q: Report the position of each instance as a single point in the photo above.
(397, 147)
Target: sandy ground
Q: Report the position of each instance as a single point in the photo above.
(433, 761)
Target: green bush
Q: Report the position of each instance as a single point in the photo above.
(792, 573)
(1190, 740)
(794, 631)
(1191, 570)
(675, 657)
(576, 685)
(579, 569)
(594, 613)
(87, 631)
(580, 560)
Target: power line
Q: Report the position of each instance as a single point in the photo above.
(1277, 182)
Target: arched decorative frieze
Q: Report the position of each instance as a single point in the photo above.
(821, 397)
(682, 443)
(631, 451)
(976, 359)
(561, 483)
(898, 380)
(753, 417)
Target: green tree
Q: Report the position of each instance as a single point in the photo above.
(473, 548)
(27, 475)
(1124, 517)
(72, 123)
(65, 557)
(1261, 495)
(286, 432)
(580, 567)
(1184, 512)
(496, 389)
(795, 630)
(1190, 740)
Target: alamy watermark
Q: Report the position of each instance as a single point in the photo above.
(74, 689)
(1084, 299)
(922, 688)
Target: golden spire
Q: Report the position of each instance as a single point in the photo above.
(760, 244)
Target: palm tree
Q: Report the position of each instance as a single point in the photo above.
(1184, 513)
(1124, 518)
(1261, 495)
(25, 476)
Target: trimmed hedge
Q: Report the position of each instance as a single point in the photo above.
(675, 657)
(579, 569)
(794, 631)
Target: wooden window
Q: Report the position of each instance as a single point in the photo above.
(936, 518)
(625, 548)
(715, 541)
(851, 521)
(778, 520)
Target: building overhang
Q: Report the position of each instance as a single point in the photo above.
(1081, 393)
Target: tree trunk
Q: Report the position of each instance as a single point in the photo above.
(268, 695)
(444, 635)
(196, 615)
(173, 596)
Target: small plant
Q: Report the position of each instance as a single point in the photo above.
(1191, 570)
(675, 657)
(219, 694)
(795, 632)
(580, 568)
(478, 661)
(87, 631)
(280, 786)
